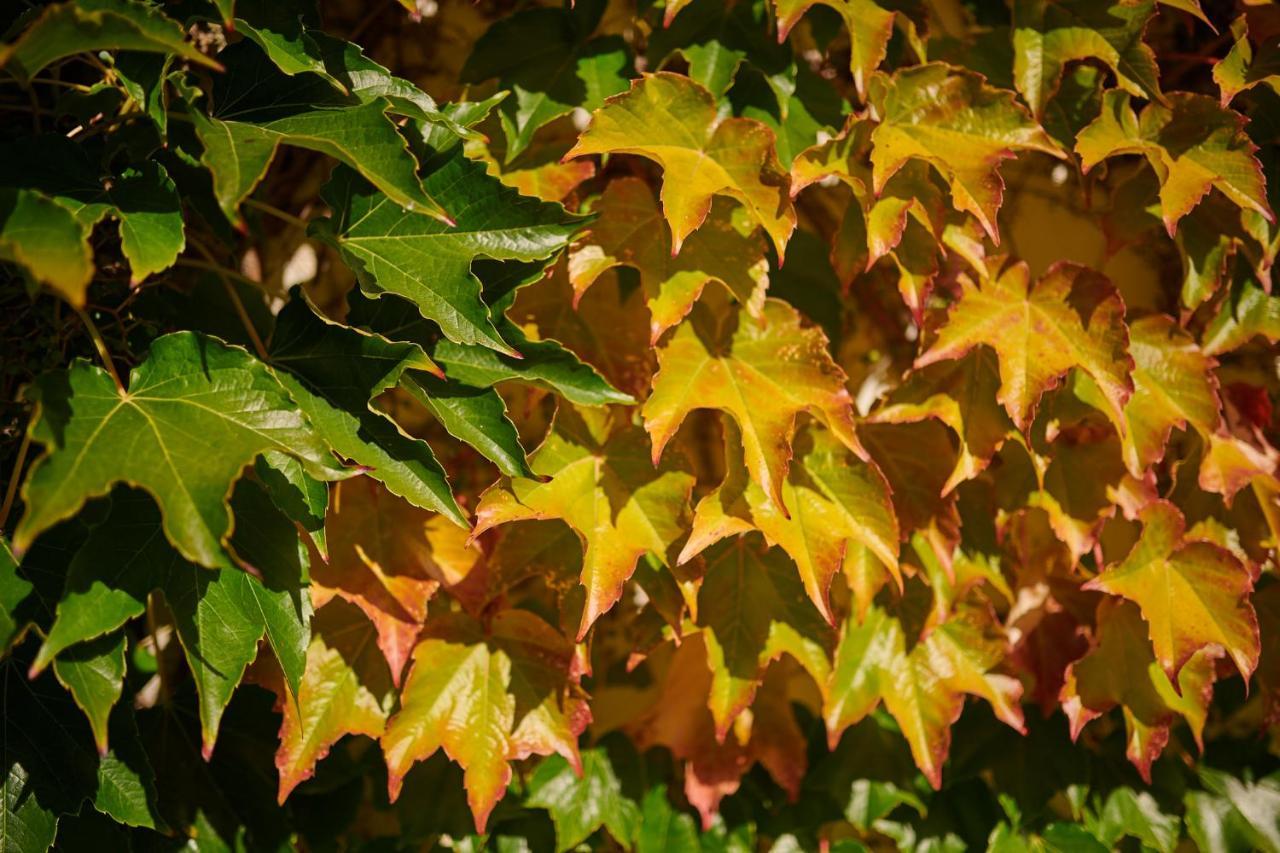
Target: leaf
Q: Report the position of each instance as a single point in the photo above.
(753, 610)
(334, 373)
(256, 108)
(47, 242)
(388, 558)
(429, 262)
(1246, 312)
(191, 393)
(1049, 35)
(1070, 318)
(716, 39)
(94, 674)
(1245, 66)
(296, 493)
(630, 231)
(922, 684)
(963, 128)
(596, 476)
(582, 802)
(763, 373)
(1193, 145)
(551, 64)
(220, 615)
(838, 503)
(14, 589)
(88, 26)
(1193, 594)
(673, 121)
(477, 416)
(869, 24)
(26, 826)
(489, 698)
(346, 689)
(1121, 670)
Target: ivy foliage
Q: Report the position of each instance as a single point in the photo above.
(700, 425)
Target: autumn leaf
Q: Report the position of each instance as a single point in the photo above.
(952, 120)
(1247, 65)
(1070, 318)
(869, 24)
(488, 697)
(1193, 145)
(630, 231)
(673, 121)
(596, 476)
(1193, 594)
(763, 373)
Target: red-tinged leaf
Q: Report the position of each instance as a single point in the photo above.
(1230, 463)
(763, 373)
(1121, 671)
(1192, 594)
(674, 121)
(1070, 318)
(915, 458)
(630, 232)
(488, 697)
(601, 482)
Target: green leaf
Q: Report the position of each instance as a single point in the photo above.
(716, 39)
(297, 494)
(430, 263)
(662, 828)
(551, 64)
(26, 825)
(582, 802)
(47, 242)
(334, 372)
(86, 26)
(94, 673)
(1245, 65)
(1246, 312)
(191, 394)
(13, 591)
(255, 108)
(477, 416)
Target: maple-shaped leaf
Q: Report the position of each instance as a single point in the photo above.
(837, 502)
(388, 558)
(1071, 317)
(630, 232)
(1173, 387)
(1049, 34)
(1192, 593)
(551, 64)
(256, 107)
(961, 394)
(1121, 670)
(672, 120)
(429, 262)
(220, 614)
(87, 26)
(597, 477)
(192, 394)
(753, 610)
(922, 683)
(488, 695)
(762, 372)
(952, 120)
(334, 372)
(581, 804)
(717, 40)
(1251, 61)
(869, 24)
(47, 241)
(345, 689)
(1193, 145)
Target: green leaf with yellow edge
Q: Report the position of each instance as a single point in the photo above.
(1248, 311)
(630, 231)
(1173, 387)
(345, 689)
(580, 805)
(921, 682)
(1071, 317)
(1193, 594)
(753, 610)
(1247, 65)
(870, 26)
(87, 26)
(596, 476)
(952, 120)
(672, 120)
(762, 372)
(192, 393)
(47, 241)
(1050, 34)
(488, 695)
(1120, 670)
(837, 502)
(1193, 145)
(94, 674)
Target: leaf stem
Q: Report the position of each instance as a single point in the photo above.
(12, 491)
(226, 275)
(272, 210)
(101, 346)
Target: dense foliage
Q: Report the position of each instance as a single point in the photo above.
(777, 424)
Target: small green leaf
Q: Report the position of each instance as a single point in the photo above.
(47, 242)
(94, 673)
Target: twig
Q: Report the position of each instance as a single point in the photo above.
(12, 491)
(226, 275)
(295, 221)
(101, 346)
